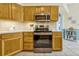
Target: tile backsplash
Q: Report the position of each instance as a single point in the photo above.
(18, 26)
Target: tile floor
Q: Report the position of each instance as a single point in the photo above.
(70, 48)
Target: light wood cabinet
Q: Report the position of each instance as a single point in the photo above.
(57, 41)
(11, 43)
(29, 13)
(12, 46)
(28, 46)
(54, 13)
(17, 12)
(0, 47)
(11, 11)
(11, 35)
(5, 11)
(28, 41)
(42, 9)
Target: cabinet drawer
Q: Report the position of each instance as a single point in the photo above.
(28, 40)
(29, 33)
(57, 37)
(57, 34)
(26, 37)
(28, 46)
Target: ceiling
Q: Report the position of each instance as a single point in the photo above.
(73, 10)
(39, 4)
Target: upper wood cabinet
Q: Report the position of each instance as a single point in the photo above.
(29, 13)
(54, 13)
(17, 12)
(42, 9)
(11, 11)
(5, 11)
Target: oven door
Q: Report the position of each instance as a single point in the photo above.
(42, 43)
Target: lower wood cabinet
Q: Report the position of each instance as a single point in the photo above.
(12, 45)
(57, 41)
(28, 41)
(0, 47)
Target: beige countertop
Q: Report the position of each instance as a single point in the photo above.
(14, 31)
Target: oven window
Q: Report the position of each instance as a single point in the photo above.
(43, 42)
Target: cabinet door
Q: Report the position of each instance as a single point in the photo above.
(17, 12)
(12, 46)
(4, 11)
(29, 13)
(16, 44)
(7, 46)
(57, 43)
(43, 9)
(54, 13)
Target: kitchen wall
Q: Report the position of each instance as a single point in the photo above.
(71, 18)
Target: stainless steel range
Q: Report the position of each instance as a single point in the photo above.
(42, 39)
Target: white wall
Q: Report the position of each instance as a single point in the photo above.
(74, 13)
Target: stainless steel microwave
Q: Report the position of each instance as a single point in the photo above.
(42, 17)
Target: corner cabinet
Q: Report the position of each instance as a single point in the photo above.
(54, 13)
(28, 41)
(5, 11)
(11, 46)
(57, 41)
(11, 43)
